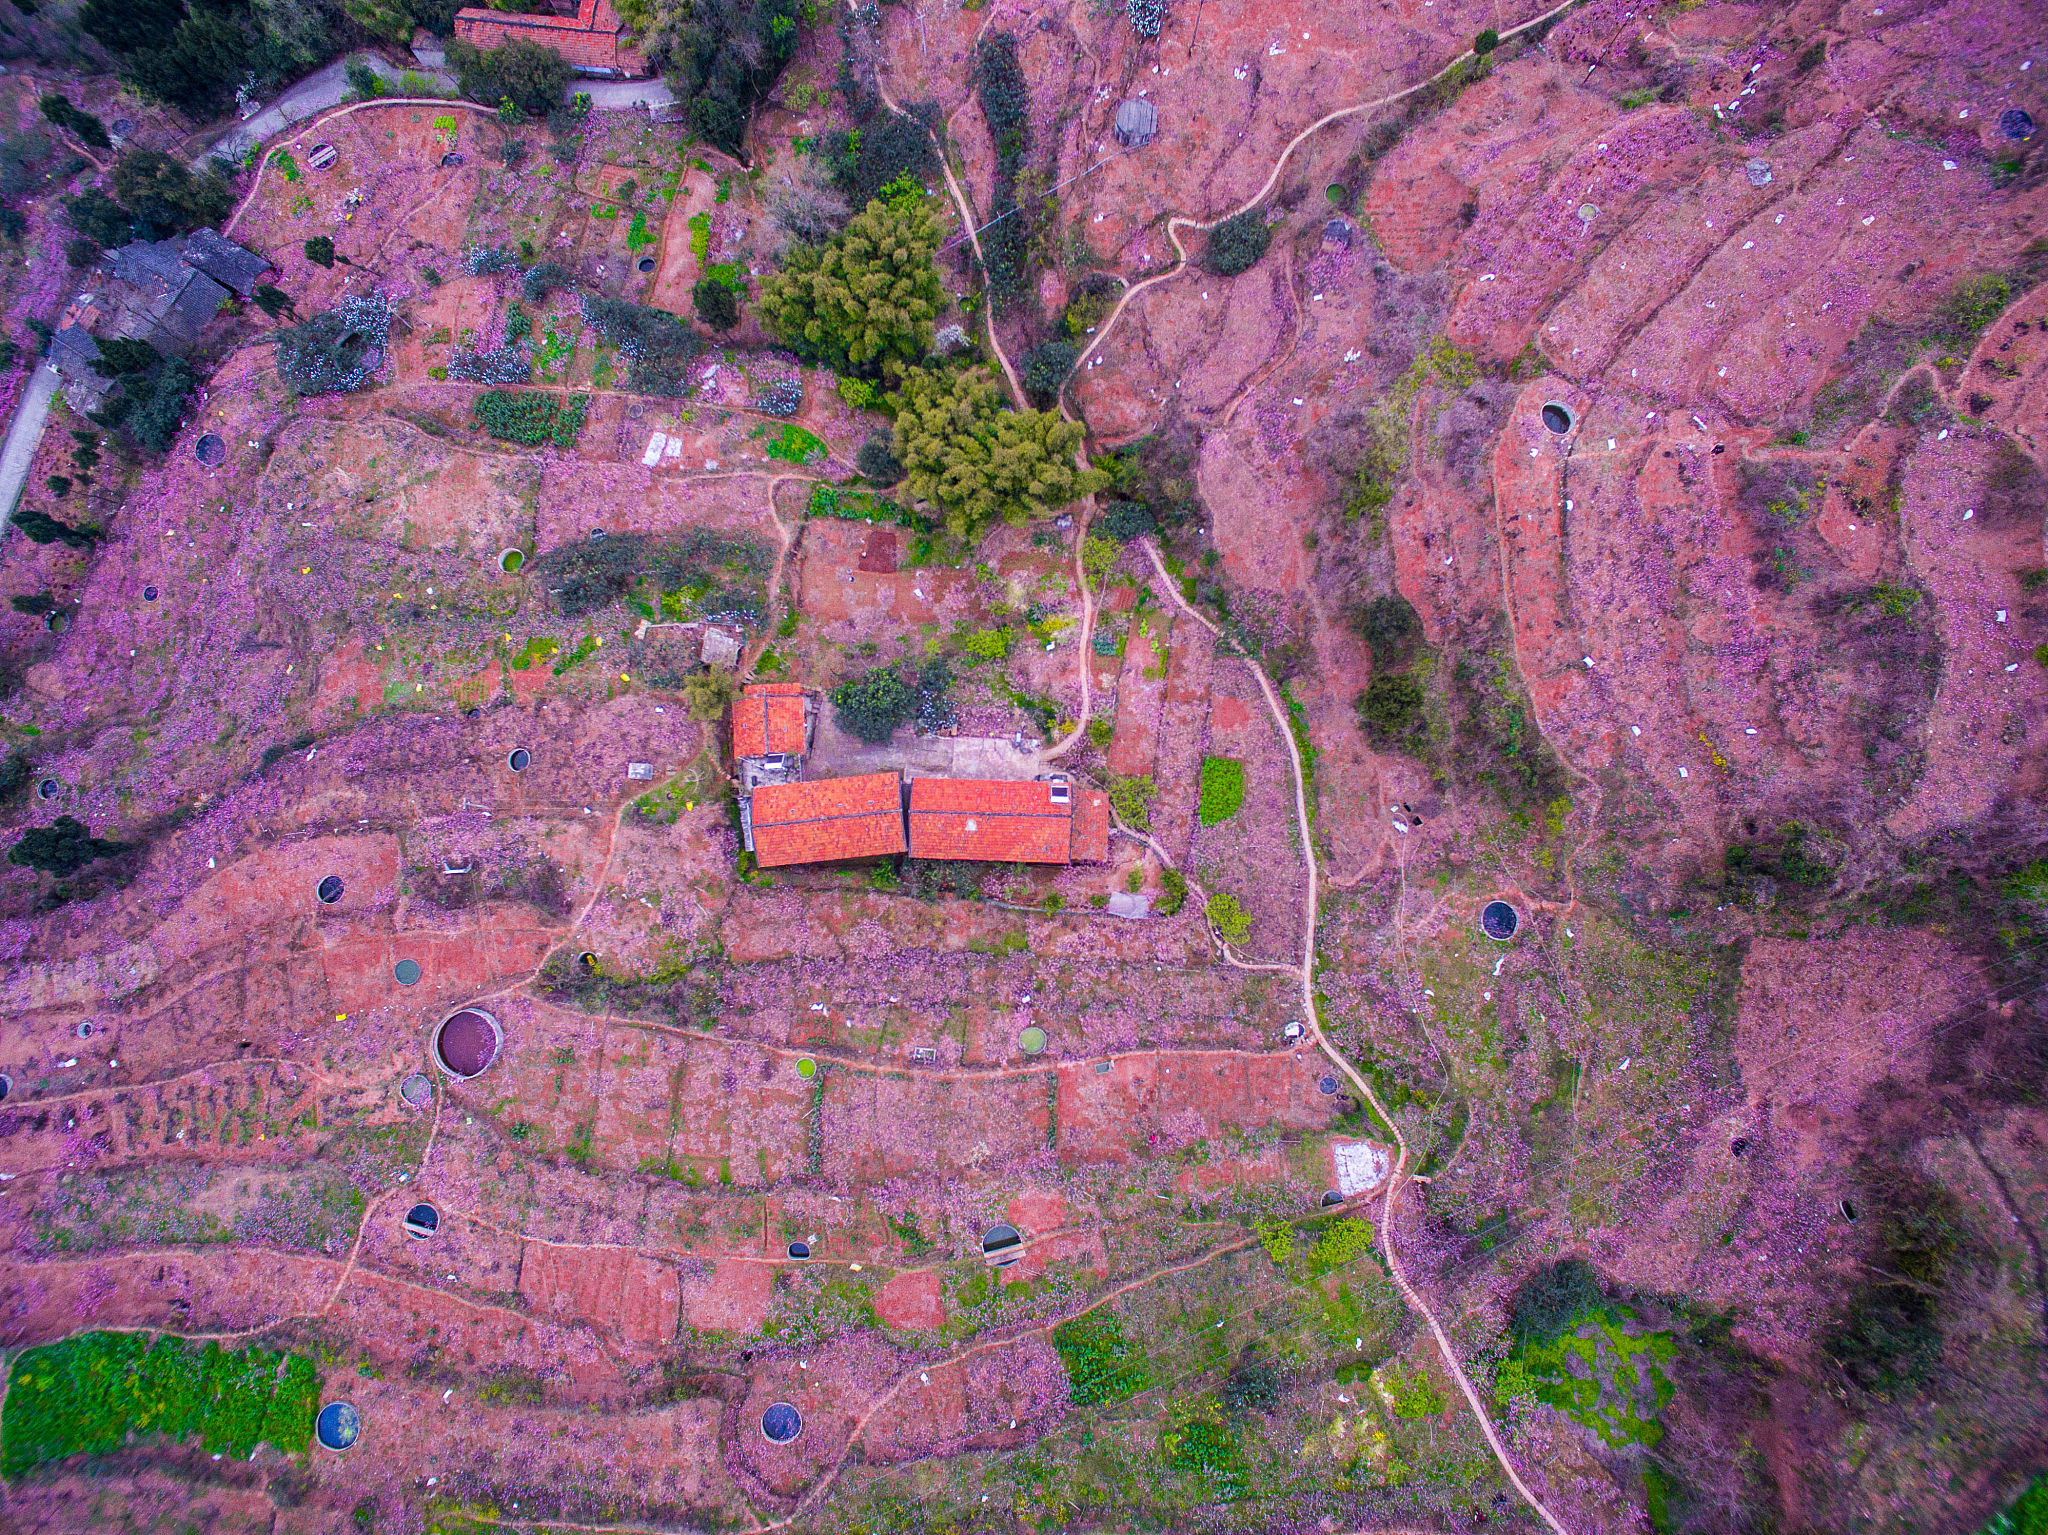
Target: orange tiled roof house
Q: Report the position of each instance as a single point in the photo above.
(786, 819)
(592, 41)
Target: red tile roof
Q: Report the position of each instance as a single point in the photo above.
(589, 40)
(828, 819)
(768, 718)
(997, 820)
(1091, 826)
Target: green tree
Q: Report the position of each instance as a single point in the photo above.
(981, 463)
(320, 251)
(164, 194)
(62, 848)
(531, 77)
(77, 122)
(715, 304)
(1238, 242)
(864, 302)
(873, 705)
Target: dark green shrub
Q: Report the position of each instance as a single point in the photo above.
(546, 278)
(1006, 107)
(58, 486)
(80, 253)
(1486, 42)
(529, 76)
(935, 696)
(320, 251)
(15, 768)
(1390, 628)
(1046, 368)
(659, 347)
(166, 197)
(1236, 244)
(718, 575)
(1392, 711)
(873, 705)
(62, 848)
(1173, 892)
(1128, 520)
(877, 462)
(723, 57)
(33, 604)
(715, 304)
(884, 149)
(1253, 1388)
(39, 527)
(1553, 1299)
(77, 122)
(99, 218)
(518, 323)
(367, 84)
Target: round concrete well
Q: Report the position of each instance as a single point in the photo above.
(467, 1042)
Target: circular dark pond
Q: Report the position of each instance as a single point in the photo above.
(56, 623)
(1848, 1211)
(338, 1426)
(587, 960)
(782, 1423)
(416, 1091)
(1499, 920)
(407, 972)
(597, 535)
(48, 788)
(6, 1086)
(422, 1221)
(1557, 418)
(149, 594)
(467, 1042)
(799, 1249)
(1738, 1146)
(2016, 123)
(646, 263)
(1332, 1197)
(1327, 1087)
(519, 759)
(329, 890)
(85, 1030)
(1000, 1238)
(210, 450)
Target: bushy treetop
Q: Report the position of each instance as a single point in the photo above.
(864, 302)
(981, 463)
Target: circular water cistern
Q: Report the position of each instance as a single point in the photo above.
(467, 1042)
(338, 1426)
(781, 1423)
(1032, 1040)
(1558, 418)
(49, 788)
(422, 1220)
(1000, 1239)
(6, 1086)
(806, 1067)
(2016, 123)
(85, 1030)
(646, 263)
(329, 890)
(799, 1249)
(1499, 921)
(149, 594)
(511, 561)
(1332, 1197)
(416, 1092)
(519, 760)
(210, 450)
(1327, 1086)
(406, 972)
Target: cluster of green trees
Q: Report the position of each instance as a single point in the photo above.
(195, 54)
(981, 463)
(863, 303)
(154, 196)
(532, 78)
(151, 391)
(722, 56)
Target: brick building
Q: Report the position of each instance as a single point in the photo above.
(592, 41)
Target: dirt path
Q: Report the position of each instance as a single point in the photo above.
(1364, 1088)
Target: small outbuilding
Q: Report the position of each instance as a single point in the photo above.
(1137, 123)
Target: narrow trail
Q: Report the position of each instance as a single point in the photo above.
(1313, 1019)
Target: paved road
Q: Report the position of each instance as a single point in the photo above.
(23, 435)
(328, 87)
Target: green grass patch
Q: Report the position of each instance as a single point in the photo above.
(1605, 1376)
(88, 1394)
(585, 649)
(793, 445)
(286, 165)
(1340, 1243)
(638, 236)
(531, 417)
(700, 236)
(1222, 789)
(1102, 1364)
(2028, 1516)
(540, 648)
